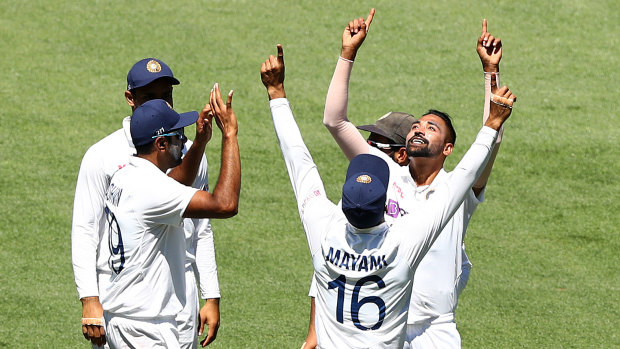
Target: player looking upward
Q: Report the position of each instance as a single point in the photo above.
(388, 134)
(148, 79)
(443, 272)
(144, 211)
(364, 268)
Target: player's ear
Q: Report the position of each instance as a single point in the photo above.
(400, 156)
(160, 144)
(447, 148)
(130, 99)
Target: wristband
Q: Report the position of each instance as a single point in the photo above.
(499, 103)
(496, 77)
(97, 321)
(344, 59)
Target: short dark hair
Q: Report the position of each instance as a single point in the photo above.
(446, 118)
(144, 149)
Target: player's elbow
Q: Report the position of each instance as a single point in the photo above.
(230, 212)
(329, 123)
(228, 209)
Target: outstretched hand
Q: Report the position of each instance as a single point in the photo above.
(204, 125)
(489, 50)
(225, 117)
(272, 75)
(354, 34)
(502, 101)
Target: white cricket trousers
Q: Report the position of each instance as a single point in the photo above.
(124, 333)
(188, 319)
(442, 335)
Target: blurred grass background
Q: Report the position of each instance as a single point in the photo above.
(544, 245)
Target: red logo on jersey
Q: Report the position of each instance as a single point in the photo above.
(398, 190)
(121, 166)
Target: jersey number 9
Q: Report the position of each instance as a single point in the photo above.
(117, 249)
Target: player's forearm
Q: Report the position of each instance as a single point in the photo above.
(303, 173)
(84, 260)
(473, 163)
(487, 99)
(335, 119)
(228, 185)
(185, 173)
(206, 265)
(482, 181)
(87, 208)
(299, 162)
(311, 337)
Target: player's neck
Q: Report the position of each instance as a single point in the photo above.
(152, 157)
(423, 170)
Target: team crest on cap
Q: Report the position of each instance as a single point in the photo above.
(363, 179)
(153, 66)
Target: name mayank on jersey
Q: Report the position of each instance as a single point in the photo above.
(355, 262)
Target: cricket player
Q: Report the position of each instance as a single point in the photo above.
(364, 267)
(443, 273)
(144, 211)
(148, 79)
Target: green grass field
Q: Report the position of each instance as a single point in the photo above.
(544, 245)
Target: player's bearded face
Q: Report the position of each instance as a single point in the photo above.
(426, 138)
(424, 151)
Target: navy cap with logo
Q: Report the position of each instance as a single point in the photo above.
(156, 117)
(148, 70)
(364, 191)
(393, 125)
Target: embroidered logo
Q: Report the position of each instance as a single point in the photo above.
(363, 179)
(153, 66)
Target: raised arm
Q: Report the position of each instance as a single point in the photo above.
(489, 50)
(224, 201)
(335, 115)
(312, 202)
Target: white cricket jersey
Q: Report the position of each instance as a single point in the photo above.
(364, 277)
(435, 287)
(90, 258)
(144, 209)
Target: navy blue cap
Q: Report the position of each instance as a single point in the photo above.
(148, 70)
(156, 117)
(364, 191)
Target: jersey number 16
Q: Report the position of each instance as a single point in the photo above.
(356, 303)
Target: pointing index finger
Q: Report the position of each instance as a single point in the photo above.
(280, 53)
(369, 18)
(484, 26)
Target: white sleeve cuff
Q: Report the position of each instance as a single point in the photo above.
(276, 102)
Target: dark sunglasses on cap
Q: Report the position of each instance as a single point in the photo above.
(385, 146)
